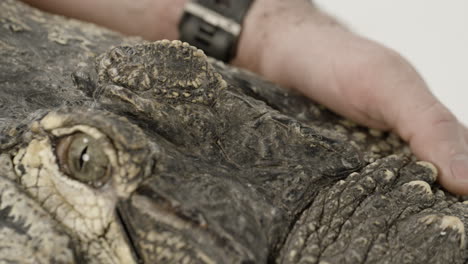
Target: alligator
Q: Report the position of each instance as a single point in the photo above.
(118, 150)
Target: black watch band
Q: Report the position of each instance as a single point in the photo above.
(214, 26)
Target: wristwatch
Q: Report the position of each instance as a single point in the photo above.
(214, 26)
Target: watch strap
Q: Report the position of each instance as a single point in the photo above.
(214, 26)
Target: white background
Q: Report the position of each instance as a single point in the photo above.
(431, 34)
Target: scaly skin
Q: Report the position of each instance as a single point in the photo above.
(87, 213)
(153, 153)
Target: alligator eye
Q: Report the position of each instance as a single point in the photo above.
(82, 158)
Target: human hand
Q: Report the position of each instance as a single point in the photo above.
(305, 49)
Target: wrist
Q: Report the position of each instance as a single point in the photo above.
(276, 32)
(267, 24)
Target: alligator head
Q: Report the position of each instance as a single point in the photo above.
(159, 154)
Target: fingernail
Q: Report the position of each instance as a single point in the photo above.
(459, 167)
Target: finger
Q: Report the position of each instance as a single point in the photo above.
(434, 134)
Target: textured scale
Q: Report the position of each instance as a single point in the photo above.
(160, 69)
(205, 163)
